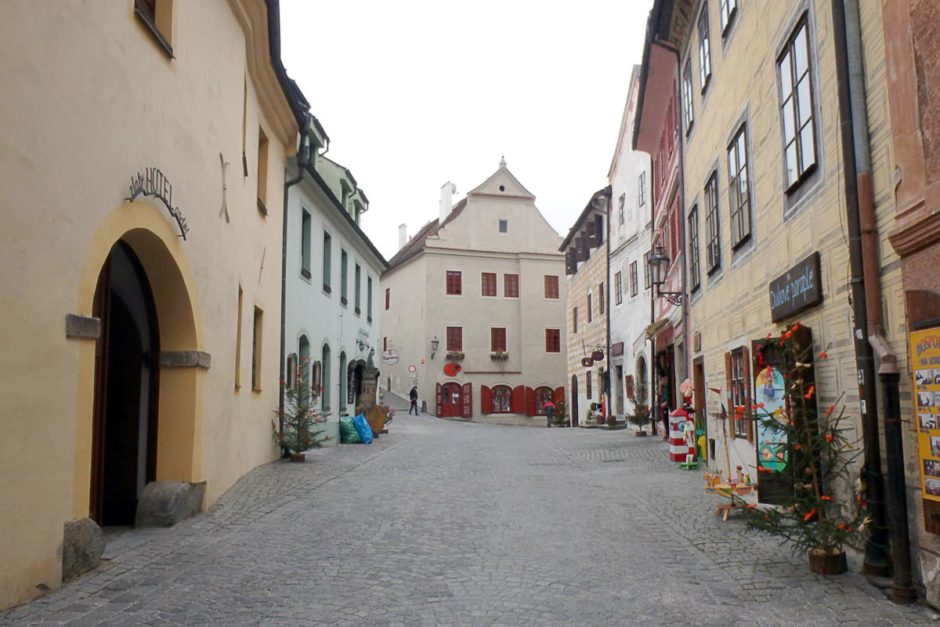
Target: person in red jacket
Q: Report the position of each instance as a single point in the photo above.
(548, 408)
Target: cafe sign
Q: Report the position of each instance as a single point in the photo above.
(153, 183)
(797, 289)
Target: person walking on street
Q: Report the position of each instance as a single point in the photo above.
(413, 395)
(548, 408)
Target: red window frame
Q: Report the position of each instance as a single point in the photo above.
(454, 341)
(552, 340)
(551, 286)
(511, 285)
(498, 339)
(488, 284)
(454, 282)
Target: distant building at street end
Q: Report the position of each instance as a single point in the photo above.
(585, 249)
(473, 307)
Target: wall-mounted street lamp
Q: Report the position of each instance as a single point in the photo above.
(659, 266)
(434, 344)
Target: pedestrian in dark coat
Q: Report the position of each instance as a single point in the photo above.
(413, 395)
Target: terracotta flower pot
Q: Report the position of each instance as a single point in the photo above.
(641, 433)
(824, 562)
(298, 458)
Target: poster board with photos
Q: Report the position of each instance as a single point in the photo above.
(925, 368)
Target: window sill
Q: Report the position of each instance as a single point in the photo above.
(343, 301)
(155, 33)
(262, 208)
(327, 289)
(305, 273)
(795, 185)
(369, 319)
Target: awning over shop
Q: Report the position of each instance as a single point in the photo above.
(656, 327)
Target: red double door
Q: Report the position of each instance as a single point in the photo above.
(454, 400)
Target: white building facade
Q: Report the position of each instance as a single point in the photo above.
(332, 272)
(474, 307)
(630, 224)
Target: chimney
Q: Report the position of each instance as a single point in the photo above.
(448, 190)
(402, 235)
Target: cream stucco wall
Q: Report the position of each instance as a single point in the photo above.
(96, 102)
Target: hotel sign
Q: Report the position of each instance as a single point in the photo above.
(152, 182)
(798, 289)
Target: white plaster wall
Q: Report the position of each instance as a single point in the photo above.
(629, 242)
(318, 315)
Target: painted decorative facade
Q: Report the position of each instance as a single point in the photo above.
(585, 249)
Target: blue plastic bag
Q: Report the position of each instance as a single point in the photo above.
(363, 429)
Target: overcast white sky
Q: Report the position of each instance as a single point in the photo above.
(415, 93)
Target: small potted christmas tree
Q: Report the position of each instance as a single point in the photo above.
(815, 456)
(639, 418)
(296, 430)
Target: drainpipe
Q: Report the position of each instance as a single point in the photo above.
(902, 589)
(610, 381)
(857, 193)
(303, 159)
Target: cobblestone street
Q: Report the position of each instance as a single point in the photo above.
(454, 523)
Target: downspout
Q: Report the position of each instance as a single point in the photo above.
(902, 589)
(610, 382)
(303, 158)
(876, 562)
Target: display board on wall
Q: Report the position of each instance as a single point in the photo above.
(925, 366)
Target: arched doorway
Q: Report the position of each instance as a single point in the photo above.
(642, 386)
(451, 400)
(573, 410)
(124, 432)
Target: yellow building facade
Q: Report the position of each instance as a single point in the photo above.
(765, 202)
(142, 175)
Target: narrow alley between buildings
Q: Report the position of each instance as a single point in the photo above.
(442, 522)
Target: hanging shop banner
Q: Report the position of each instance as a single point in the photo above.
(925, 364)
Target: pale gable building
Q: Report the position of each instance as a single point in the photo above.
(473, 307)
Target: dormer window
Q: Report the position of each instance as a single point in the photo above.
(504, 226)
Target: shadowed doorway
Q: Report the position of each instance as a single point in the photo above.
(126, 379)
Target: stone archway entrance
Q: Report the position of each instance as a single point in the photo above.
(124, 430)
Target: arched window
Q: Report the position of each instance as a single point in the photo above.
(342, 383)
(502, 399)
(542, 394)
(303, 361)
(325, 379)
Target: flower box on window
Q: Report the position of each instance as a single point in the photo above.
(499, 355)
(455, 355)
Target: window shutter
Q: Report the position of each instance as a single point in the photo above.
(518, 400)
(486, 400)
(598, 230)
(558, 395)
(590, 232)
(467, 393)
(530, 409)
(582, 254)
(746, 368)
(631, 393)
(729, 425)
(437, 399)
(571, 266)
(291, 371)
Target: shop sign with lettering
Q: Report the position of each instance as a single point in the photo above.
(798, 289)
(153, 183)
